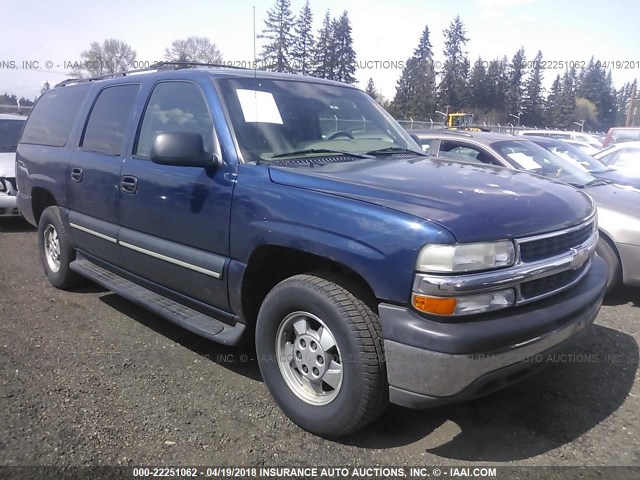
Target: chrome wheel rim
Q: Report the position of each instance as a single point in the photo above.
(309, 358)
(52, 248)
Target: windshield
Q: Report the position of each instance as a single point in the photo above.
(10, 134)
(275, 118)
(575, 155)
(526, 155)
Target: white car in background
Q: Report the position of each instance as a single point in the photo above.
(584, 146)
(563, 135)
(624, 157)
(10, 129)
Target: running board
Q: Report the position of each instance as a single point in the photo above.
(175, 312)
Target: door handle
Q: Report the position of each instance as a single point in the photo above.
(128, 184)
(76, 174)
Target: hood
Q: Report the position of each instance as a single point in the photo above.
(474, 202)
(619, 198)
(618, 212)
(8, 165)
(619, 178)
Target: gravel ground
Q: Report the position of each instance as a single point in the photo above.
(89, 378)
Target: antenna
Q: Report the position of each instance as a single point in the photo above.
(255, 59)
(255, 77)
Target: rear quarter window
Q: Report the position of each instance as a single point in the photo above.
(52, 118)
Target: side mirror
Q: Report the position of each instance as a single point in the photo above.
(181, 149)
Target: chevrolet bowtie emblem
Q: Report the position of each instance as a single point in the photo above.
(578, 258)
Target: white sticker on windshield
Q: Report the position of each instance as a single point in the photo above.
(258, 106)
(524, 160)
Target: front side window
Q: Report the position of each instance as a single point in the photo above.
(108, 119)
(175, 107)
(281, 117)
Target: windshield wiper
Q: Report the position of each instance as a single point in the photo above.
(597, 182)
(382, 151)
(309, 151)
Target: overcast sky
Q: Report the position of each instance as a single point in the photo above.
(384, 31)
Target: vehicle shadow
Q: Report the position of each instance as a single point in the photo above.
(622, 296)
(240, 359)
(15, 225)
(543, 412)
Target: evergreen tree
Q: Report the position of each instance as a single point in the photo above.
(479, 89)
(416, 88)
(302, 49)
(371, 89)
(276, 52)
(568, 99)
(515, 92)
(453, 86)
(554, 103)
(323, 51)
(401, 106)
(423, 94)
(533, 101)
(497, 85)
(344, 67)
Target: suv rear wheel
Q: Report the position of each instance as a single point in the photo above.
(56, 249)
(320, 354)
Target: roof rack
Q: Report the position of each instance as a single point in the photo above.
(152, 68)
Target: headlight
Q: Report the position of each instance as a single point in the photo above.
(465, 257)
(465, 304)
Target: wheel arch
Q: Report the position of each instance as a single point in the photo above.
(268, 265)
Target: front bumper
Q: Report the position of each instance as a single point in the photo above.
(433, 362)
(8, 199)
(8, 205)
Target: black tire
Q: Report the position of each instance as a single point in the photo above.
(363, 392)
(63, 278)
(608, 254)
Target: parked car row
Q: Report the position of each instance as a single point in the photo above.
(10, 129)
(296, 213)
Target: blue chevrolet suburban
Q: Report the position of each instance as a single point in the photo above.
(295, 212)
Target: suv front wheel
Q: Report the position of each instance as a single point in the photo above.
(321, 357)
(56, 249)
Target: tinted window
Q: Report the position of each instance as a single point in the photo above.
(427, 143)
(471, 153)
(175, 107)
(108, 119)
(10, 134)
(52, 117)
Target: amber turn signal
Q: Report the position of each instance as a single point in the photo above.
(435, 305)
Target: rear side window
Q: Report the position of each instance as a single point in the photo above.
(471, 153)
(52, 118)
(108, 119)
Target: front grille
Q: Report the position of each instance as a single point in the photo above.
(543, 286)
(555, 245)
